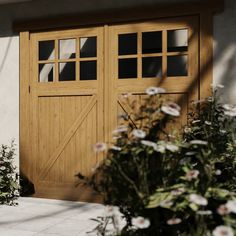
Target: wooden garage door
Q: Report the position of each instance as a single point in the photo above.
(77, 80)
(161, 53)
(66, 109)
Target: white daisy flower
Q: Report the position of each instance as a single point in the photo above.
(218, 172)
(190, 153)
(230, 113)
(192, 174)
(198, 199)
(230, 110)
(204, 213)
(120, 129)
(138, 133)
(174, 221)
(187, 130)
(116, 148)
(149, 144)
(220, 86)
(222, 210)
(231, 205)
(160, 148)
(178, 191)
(171, 147)
(210, 99)
(208, 122)
(140, 222)
(198, 142)
(2, 168)
(111, 211)
(99, 147)
(166, 203)
(196, 121)
(223, 230)
(229, 107)
(222, 131)
(171, 108)
(154, 90)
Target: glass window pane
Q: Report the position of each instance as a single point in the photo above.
(88, 47)
(152, 42)
(67, 48)
(152, 67)
(128, 44)
(128, 68)
(177, 40)
(67, 71)
(46, 72)
(177, 65)
(46, 50)
(88, 70)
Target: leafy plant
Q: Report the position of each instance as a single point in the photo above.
(9, 188)
(167, 183)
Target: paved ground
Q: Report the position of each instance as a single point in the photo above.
(43, 217)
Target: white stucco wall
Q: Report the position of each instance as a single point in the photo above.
(9, 91)
(224, 50)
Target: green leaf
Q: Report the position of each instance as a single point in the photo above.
(193, 206)
(157, 198)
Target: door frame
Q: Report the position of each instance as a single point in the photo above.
(205, 17)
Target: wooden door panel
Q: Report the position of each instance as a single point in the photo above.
(72, 122)
(181, 86)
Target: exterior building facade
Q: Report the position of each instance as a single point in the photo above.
(64, 68)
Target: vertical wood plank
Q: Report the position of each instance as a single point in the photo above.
(24, 104)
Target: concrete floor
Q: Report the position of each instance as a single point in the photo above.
(43, 217)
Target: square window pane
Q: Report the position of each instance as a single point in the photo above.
(152, 67)
(177, 40)
(177, 65)
(152, 42)
(67, 48)
(128, 68)
(88, 47)
(47, 50)
(127, 44)
(46, 72)
(88, 70)
(67, 71)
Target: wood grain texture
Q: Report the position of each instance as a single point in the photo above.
(24, 105)
(60, 121)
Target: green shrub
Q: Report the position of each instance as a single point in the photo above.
(9, 188)
(167, 183)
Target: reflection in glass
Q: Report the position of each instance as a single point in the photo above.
(177, 40)
(177, 65)
(88, 47)
(151, 67)
(128, 68)
(67, 71)
(46, 50)
(128, 44)
(67, 48)
(46, 72)
(152, 42)
(88, 70)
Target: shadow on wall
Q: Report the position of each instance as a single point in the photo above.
(5, 53)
